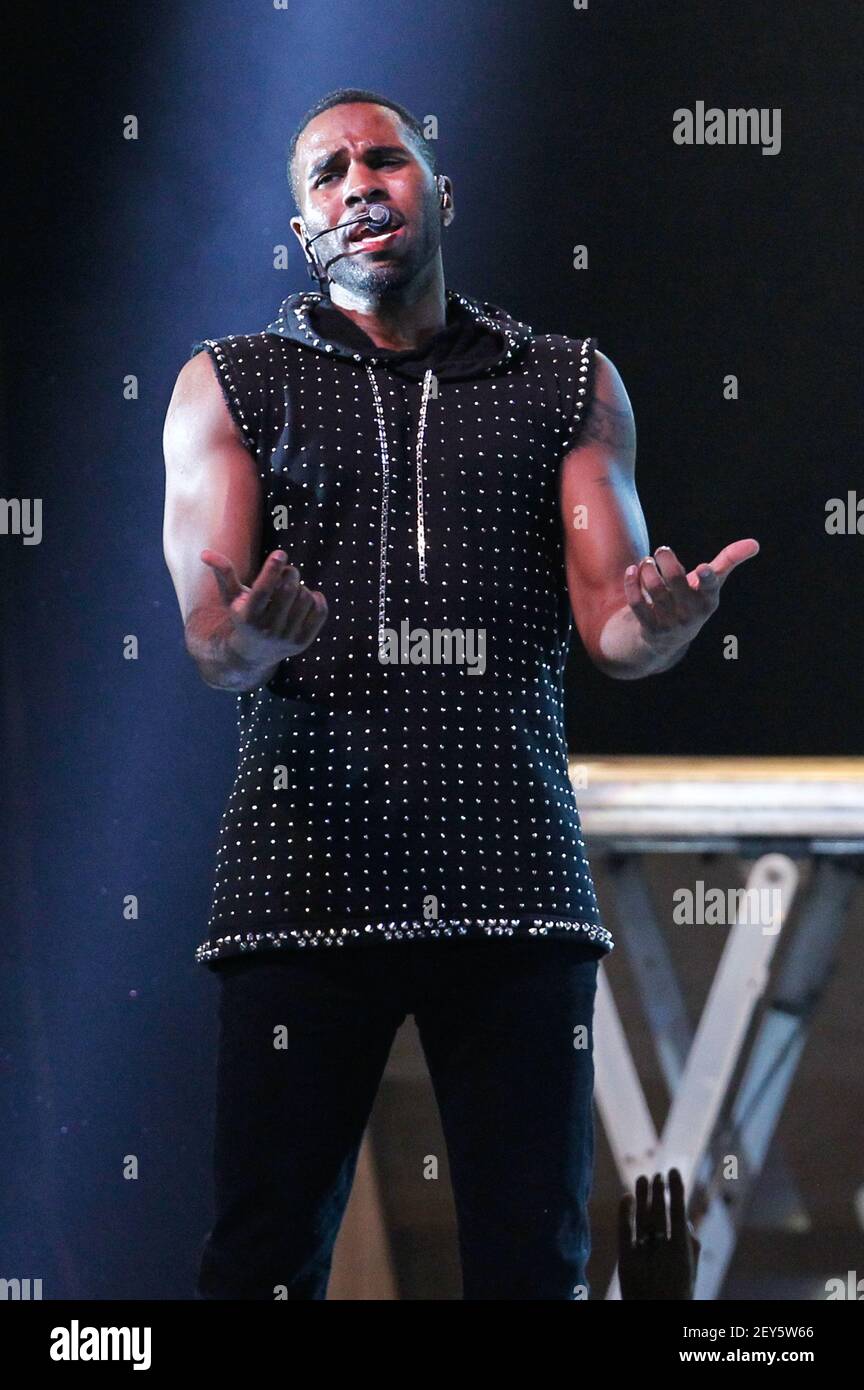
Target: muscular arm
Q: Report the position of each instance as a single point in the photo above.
(212, 500)
(605, 532)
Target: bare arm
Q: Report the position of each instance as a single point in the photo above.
(238, 625)
(636, 613)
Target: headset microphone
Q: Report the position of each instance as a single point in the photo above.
(379, 215)
(375, 215)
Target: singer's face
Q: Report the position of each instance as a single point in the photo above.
(357, 154)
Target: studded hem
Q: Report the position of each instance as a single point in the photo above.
(243, 943)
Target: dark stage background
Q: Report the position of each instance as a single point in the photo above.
(556, 127)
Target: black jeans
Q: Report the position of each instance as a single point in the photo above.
(506, 1028)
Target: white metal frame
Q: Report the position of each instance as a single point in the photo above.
(774, 812)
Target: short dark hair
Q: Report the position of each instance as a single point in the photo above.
(347, 96)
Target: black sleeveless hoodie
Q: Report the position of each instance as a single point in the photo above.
(405, 778)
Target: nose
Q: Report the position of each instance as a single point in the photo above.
(360, 187)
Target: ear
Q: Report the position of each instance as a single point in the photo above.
(298, 227)
(445, 199)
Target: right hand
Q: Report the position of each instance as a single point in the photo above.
(275, 617)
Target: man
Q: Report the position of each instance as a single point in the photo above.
(363, 523)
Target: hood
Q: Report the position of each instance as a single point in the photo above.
(479, 339)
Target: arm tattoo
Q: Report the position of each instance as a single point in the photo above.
(607, 425)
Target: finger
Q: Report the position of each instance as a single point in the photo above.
(314, 620)
(641, 1206)
(704, 581)
(625, 1222)
(731, 555)
(278, 615)
(223, 573)
(635, 597)
(301, 605)
(677, 1209)
(658, 1206)
(265, 588)
(675, 579)
(657, 592)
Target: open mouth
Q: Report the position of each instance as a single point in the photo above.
(370, 240)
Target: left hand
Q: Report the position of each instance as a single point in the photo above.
(672, 605)
(657, 1265)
